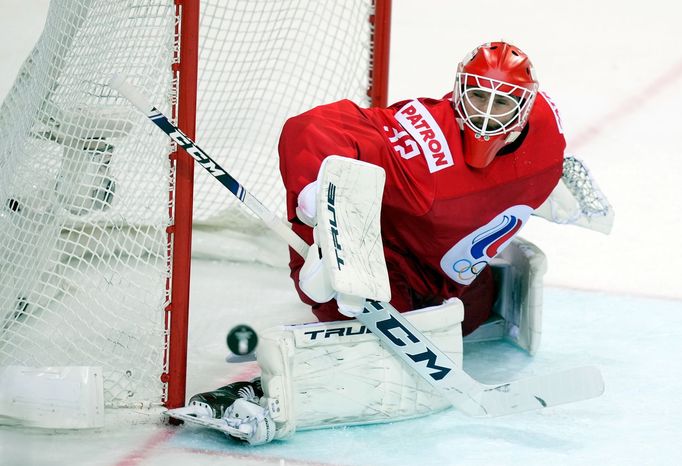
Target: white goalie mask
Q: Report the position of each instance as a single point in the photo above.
(491, 107)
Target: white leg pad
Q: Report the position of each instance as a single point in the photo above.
(336, 373)
(517, 314)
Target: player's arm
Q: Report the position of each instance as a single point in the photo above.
(307, 139)
(334, 202)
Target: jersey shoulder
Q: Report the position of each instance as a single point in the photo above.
(545, 135)
(546, 113)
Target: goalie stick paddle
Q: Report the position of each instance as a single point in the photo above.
(383, 320)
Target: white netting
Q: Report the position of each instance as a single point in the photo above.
(84, 186)
(85, 180)
(292, 55)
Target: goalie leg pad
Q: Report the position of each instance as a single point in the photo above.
(517, 313)
(337, 373)
(524, 318)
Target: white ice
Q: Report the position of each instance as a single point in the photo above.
(615, 70)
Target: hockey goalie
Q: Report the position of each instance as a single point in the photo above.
(418, 205)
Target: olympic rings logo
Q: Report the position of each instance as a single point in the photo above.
(466, 270)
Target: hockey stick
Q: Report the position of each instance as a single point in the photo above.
(395, 332)
(131, 93)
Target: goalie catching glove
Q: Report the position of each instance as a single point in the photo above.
(346, 262)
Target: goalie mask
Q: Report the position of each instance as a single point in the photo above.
(495, 88)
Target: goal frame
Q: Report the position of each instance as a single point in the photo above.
(180, 233)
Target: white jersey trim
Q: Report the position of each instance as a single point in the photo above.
(555, 110)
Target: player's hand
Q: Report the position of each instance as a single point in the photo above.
(313, 279)
(306, 210)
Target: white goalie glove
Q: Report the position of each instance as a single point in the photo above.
(346, 262)
(314, 280)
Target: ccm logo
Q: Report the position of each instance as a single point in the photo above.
(197, 154)
(412, 346)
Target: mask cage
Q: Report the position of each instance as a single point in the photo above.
(484, 122)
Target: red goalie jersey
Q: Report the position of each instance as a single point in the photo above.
(442, 220)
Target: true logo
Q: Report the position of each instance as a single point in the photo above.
(337, 331)
(333, 224)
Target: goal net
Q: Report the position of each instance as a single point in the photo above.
(89, 191)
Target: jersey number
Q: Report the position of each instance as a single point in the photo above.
(402, 143)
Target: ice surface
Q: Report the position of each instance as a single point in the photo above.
(615, 71)
(634, 340)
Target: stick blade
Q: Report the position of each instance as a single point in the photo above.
(543, 391)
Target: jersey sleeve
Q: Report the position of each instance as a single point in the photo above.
(339, 128)
(307, 139)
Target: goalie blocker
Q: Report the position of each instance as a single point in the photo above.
(347, 261)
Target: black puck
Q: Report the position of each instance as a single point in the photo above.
(242, 340)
